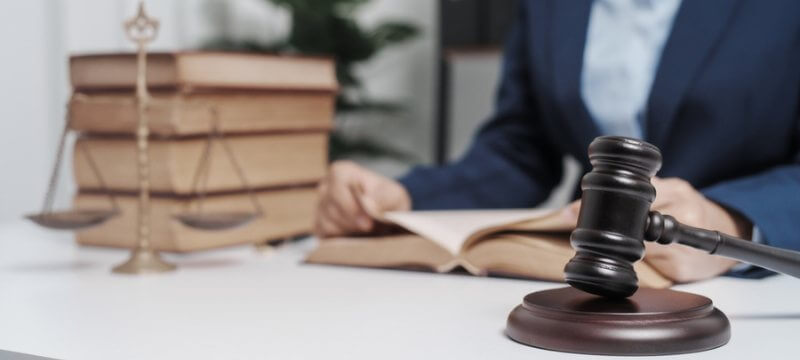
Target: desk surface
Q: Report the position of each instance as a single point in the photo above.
(60, 300)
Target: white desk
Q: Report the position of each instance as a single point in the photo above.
(60, 300)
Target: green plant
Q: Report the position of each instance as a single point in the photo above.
(328, 28)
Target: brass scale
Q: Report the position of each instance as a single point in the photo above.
(142, 29)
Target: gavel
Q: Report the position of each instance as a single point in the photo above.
(615, 220)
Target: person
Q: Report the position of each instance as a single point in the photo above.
(715, 84)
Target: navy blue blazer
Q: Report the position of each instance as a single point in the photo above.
(724, 109)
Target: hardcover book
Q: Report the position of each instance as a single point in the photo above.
(531, 244)
(266, 161)
(288, 212)
(202, 71)
(184, 114)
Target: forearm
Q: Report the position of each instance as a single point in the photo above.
(511, 162)
(484, 178)
(770, 200)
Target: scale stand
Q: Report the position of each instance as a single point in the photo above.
(142, 29)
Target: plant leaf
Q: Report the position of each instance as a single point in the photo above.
(390, 33)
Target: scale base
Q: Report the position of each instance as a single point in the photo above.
(143, 262)
(651, 322)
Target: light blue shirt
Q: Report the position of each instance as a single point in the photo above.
(624, 43)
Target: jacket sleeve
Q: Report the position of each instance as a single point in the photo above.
(770, 200)
(510, 162)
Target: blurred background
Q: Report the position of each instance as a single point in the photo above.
(418, 76)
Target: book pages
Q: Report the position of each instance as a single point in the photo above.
(450, 229)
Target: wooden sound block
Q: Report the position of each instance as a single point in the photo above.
(651, 322)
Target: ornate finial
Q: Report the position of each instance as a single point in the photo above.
(141, 28)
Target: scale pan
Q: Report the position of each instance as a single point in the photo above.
(72, 219)
(216, 221)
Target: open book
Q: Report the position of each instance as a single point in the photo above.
(517, 243)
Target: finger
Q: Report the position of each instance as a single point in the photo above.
(664, 195)
(334, 214)
(687, 265)
(324, 228)
(666, 268)
(344, 200)
(673, 191)
(370, 206)
(658, 251)
(669, 260)
(326, 213)
(570, 212)
(686, 211)
(367, 203)
(346, 184)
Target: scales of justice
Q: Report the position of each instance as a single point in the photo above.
(142, 30)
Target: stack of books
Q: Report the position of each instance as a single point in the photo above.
(275, 113)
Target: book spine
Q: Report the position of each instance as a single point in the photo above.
(267, 160)
(287, 213)
(190, 115)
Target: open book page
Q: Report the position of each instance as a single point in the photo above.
(551, 222)
(434, 239)
(451, 229)
(538, 256)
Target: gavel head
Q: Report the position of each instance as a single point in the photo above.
(616, 200)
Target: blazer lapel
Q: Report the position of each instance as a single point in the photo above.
(697, 28)
(569, 21)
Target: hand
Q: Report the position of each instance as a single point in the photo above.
(345, 193)
(680, 199)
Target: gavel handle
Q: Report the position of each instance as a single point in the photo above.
(664, 229)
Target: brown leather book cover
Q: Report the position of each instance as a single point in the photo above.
(267, 160)
(288, 212)
(173, 113)
(196, 71)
